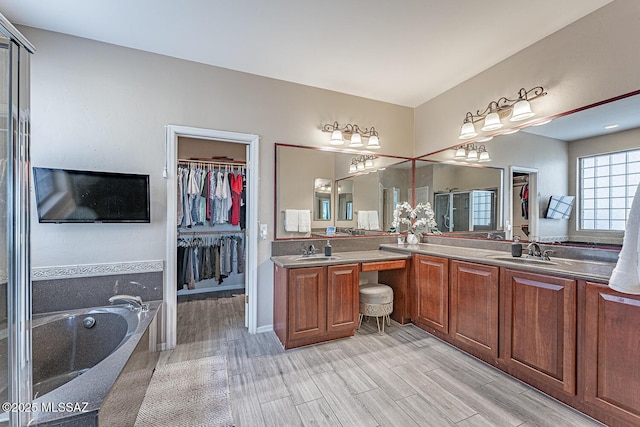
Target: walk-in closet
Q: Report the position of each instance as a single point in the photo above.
(211, 241)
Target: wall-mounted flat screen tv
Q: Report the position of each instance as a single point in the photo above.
(64, 195)
(560, 207)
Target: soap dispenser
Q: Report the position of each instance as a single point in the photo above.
(327, 249)
(516, 247)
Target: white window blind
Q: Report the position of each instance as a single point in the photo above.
(607, 185)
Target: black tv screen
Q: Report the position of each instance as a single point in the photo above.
(64, 195)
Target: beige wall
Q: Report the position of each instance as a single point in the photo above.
(104, 107)
(588, 61)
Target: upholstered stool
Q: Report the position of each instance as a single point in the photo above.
(376, 300)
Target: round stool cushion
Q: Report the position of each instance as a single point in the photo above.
(376, 293)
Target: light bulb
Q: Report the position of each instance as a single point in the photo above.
(336, 138)
(356, 141)
(468, 131)
(374, 142)
(492, 122)
(521, 111)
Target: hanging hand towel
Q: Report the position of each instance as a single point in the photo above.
(626, 274)
(304, 218)
(363, 220)
(374, 222)
(291, 220)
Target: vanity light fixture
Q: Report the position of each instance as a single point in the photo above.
(353, 167)
(519, 109)
(472, 153)
(355, 134)
(362, 163)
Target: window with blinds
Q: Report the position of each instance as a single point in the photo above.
(607, 185)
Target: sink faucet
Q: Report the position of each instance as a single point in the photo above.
(135, 302)
(546, 253)
(533, 249)
(308, 252)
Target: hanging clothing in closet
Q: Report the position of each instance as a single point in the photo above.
(208, 195)
(201, 258)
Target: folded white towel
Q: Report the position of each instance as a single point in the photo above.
(304, 221)
(626, 274)
(363, 220)
(374, 222)
(291, 220)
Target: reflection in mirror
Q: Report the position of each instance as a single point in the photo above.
(575, 157)
(322, 199)
(345, 200)
(363, 203)
(466, 200)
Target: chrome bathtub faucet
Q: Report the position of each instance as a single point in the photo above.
(135, 302)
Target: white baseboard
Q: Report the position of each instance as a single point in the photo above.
(265, 328)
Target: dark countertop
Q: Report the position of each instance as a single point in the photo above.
(576, 269)
(297, 261)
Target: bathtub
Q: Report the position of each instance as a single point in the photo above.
(77, 357)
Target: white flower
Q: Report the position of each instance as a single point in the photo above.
(405, 214)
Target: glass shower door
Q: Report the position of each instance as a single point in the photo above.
(15, 266)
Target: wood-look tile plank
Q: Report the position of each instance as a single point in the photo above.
(348, 409)
(245, 407)
(448, 404)
(281, 412)
(476, 421)
(384, 409)
(317, 413)
(424, 413)
(493, 411)
(297, 380)
(268, 380)
(384, 377)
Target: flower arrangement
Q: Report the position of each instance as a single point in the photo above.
(405, 214)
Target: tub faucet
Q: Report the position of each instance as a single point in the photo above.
(135, 302)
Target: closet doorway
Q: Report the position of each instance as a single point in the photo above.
(523, 207)
(227, 243)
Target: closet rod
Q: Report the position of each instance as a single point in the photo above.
(192, 233)
(211, 162)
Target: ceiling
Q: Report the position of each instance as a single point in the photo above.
(404, 52)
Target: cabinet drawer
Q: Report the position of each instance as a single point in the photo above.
(384, 265)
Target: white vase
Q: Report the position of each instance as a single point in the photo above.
(412, 239)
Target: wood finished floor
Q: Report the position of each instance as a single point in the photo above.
(405, 377)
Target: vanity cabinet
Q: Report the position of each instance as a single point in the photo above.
(612, 352)
(431, 284)
(474, 308)
(315, 304)
(539, 328)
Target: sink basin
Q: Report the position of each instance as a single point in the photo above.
(523, 260)
(317, 258)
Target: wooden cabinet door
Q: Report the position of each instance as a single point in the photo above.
(431, 278)
(540, 327)
(612, 352)
(342, 297)
(307, 302)
(474, 307)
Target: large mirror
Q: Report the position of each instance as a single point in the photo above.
(466, 200)
(355, 203)
(588, 160)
